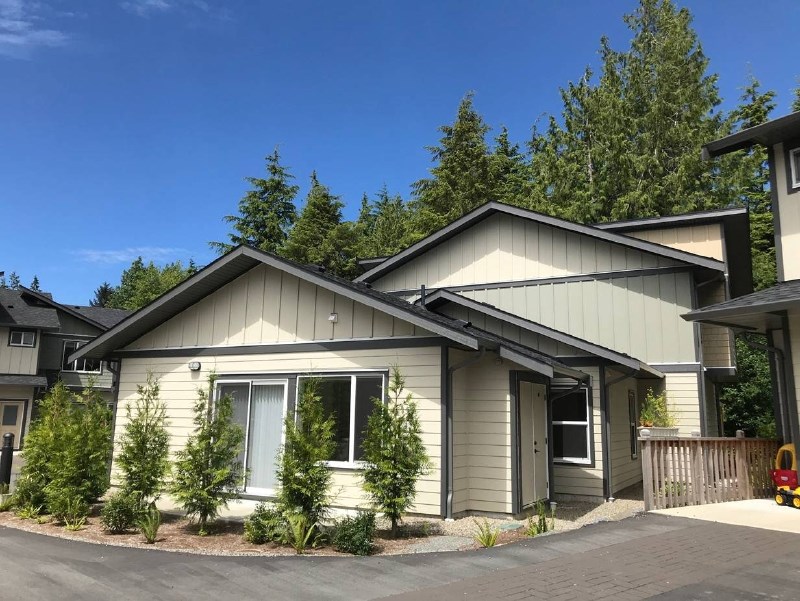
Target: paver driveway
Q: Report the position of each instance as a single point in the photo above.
(638, 558)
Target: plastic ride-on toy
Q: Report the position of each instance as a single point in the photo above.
(784, 476)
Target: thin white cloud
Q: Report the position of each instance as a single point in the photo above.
(127, 255)
(146, 8)
(22, 30)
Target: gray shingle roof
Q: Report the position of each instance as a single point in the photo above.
(103, 315)
(23, 380)
(781, 296)
(17, 309)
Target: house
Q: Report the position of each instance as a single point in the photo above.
(37, 334)
(775, 311)
(527, 342)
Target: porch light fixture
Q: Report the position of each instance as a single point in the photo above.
(333, 317)
(194, 366)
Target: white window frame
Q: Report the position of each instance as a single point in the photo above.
(794, 167)
(21, 342)
(350, 463)
(587, 424)
(259, 492)
(74, 364)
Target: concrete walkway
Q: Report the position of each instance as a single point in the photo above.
(638, 558)
(757, 513)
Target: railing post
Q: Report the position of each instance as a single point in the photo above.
(6, 457)
(647, 467)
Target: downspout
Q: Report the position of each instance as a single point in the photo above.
(780, 377)
(448, 425)
(606, 416)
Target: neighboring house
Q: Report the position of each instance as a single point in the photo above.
(527, 351)
(774, 311)
(37, 335)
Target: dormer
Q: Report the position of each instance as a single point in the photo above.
(781, 137)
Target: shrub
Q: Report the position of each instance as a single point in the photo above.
(121, 512)
(67, 450)
(394, 453)
(144, 446)
(28, 511)
(655, 411)
(69, 508)
(264, 525)
(355, 534)
(303, 475)
(300, 532)
(486, 536)
(207, 473)
(149, 523)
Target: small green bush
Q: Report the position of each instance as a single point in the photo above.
(121, 512)
(67, 507)
(655, 411)
(355, 534)
(264, 525)
(486, 535)
(149, 523)
(300, 532)
(29, 511)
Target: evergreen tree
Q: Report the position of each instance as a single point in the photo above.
(141, 284)
(796, 100)
(629, 146)
(384, 226)
(102, 295)
(747, 403)
(144, 447)
(304, 478)
(394, 454)
(510, 175)
(35, 284)
(319, 237)
(266, 213)
(13, 281)
(461, 178)
(207, 473)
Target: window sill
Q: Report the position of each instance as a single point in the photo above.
(346, 465)
(577, 462)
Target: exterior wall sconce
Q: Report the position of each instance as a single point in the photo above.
(333, 317)
(194, 366)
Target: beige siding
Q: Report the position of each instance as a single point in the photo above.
(716, 341)
(507, 248)
(683, 399)
(421, 367)
(481, 436)
(704, 240)
(625, 470)
(712, 418)
(788, 216)
(794, 333)
(580, 480)
(638, 316)
(267, 306)
(18, 360)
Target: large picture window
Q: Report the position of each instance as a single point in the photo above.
(349, 399)
(572, 427)
(83, 364)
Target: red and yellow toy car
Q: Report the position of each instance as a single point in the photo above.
(784, 476)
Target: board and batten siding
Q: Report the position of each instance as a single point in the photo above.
(420, 366)
(639, 316)
(481, 435)
(704, 240)
(788, 215)
(266, 305)
(625, 469)
(794, 334)
(574, 480)
(508, 248)
(18, 360)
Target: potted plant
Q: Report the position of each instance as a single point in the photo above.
(656, 417)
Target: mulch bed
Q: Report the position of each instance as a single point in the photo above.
(226, 538)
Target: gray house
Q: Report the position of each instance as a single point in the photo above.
(37, 335)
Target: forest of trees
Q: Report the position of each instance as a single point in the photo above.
(626, 144)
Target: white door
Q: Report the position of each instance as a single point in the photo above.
(533, 442)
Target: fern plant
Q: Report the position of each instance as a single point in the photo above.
(486, 535)
(300, 532)
(149, 523)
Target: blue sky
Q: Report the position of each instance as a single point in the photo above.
(127, 127)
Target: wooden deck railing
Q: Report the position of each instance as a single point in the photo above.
(696, 471)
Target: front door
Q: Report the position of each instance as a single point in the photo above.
(11, 415)
(533, 442)
(259, 407)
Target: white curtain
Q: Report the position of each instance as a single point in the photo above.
(237, 392)
(266, 420)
